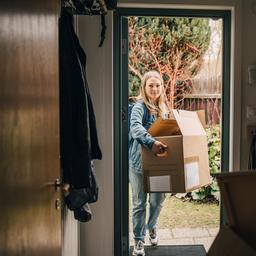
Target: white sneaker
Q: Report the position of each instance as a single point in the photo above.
(138, 249)
(153, 237)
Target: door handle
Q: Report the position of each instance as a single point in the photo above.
(57, 184)
(64, 186)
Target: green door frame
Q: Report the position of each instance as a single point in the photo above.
(121, 214)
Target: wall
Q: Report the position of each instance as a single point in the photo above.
(97, 235)
(248, 92)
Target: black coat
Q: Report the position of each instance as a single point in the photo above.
(79, 140)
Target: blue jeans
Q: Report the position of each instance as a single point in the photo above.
(140, 204)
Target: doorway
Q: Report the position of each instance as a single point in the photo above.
(122, 16)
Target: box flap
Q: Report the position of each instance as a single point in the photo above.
(237, 191)
(164, 127)
(189, 122)
(184, 122)
(228, 243)
(196, 146)
(201, 116)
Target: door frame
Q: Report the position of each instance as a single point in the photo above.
(121, 202)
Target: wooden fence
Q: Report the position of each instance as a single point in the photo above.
(211, 103)
(206, 95)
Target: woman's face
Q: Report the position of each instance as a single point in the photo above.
(153, 88)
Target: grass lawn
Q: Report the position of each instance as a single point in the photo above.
(183, 213)
(179, 213)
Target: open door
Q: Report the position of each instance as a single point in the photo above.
(30, 222)
(121, 106)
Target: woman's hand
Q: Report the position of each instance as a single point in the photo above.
(158, 147)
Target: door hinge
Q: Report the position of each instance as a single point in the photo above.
(124, 116)
(124, 46)
(124, 244)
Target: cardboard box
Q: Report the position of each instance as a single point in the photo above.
(237, 194)
(228, 243)
(185, 165)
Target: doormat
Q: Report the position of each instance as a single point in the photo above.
(174, 250)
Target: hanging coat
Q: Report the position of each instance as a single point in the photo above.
(79, 140)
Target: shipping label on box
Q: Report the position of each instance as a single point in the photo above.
(160, 183)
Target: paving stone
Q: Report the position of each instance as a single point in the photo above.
(190, 232)
(164, 230)
(183, 236)
(213, 231)
(165, 233)
(177, 241)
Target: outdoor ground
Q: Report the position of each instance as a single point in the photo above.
(184, 222)
(180, 213)
(184, 213)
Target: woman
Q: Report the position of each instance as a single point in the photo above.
(152, 95)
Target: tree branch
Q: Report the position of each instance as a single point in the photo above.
(135, 71)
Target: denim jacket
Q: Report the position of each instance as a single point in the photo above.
(140, 136)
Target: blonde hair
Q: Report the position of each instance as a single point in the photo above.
(161, 106)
